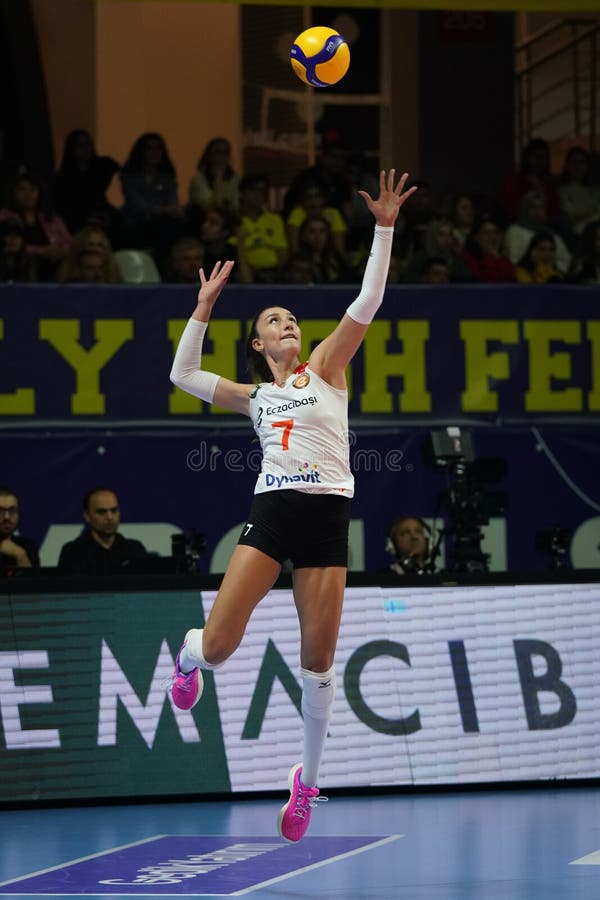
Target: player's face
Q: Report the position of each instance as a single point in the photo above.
(103, 515)
(277, 331)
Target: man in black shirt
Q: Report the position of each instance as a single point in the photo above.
(100, 549)
(15, 551)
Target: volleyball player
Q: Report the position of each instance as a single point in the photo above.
(301, 506)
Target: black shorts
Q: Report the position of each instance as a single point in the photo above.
(309, 529)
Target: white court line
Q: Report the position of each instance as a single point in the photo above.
(323, 862)
(71, 862)
(592, 859)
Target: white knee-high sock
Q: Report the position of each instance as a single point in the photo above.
(317, 702)
(192, 657)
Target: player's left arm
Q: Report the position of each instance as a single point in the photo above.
(330, 358)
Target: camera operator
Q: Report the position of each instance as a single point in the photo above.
(408, 542)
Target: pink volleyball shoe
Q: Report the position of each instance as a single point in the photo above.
(294, 817)
(186, 690)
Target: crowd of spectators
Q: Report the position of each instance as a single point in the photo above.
(541, 228)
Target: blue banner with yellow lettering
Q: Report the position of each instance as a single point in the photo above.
(458, 353)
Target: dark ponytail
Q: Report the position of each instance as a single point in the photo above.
(257, 364)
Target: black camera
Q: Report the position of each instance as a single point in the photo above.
(186, 549)
(467, 503)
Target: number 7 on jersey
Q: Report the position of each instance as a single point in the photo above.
(287, 425)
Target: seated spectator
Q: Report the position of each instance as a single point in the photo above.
(185, 261)
(462, 216)
(439, 243)
(215, 183)
(328, 266)
(16, 552)
(216, 232)
(435, 270)
(90, 268)
(538, 264)
(585, 268)
(418, 211)
(579, 200)
(408, 543)
(533, 218)
(312, 203)
(81, 182)
(483, 256)
(261, 234)
(297, 269)
(151, 208)
(15, 263)
(46, 236)
(100, 549)
(533, 175)
(328, 173)
(90, 259)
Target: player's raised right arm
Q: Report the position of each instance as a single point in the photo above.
(186, 372)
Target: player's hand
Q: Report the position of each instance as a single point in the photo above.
(211, 287)
(387, 206)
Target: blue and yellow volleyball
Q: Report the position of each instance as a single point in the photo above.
(320, 56)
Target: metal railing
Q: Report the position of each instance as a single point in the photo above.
(557, 82)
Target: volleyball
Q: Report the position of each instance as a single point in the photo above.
(320, 56)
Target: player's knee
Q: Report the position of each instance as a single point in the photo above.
(317, 661)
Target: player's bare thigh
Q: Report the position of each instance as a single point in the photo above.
(319, 597)
(250, 575)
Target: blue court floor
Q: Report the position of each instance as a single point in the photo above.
(541, 844)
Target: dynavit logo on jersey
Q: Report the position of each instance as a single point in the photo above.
(293, 404)
(281, 480)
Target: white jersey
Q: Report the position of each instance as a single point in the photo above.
(303, 432)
